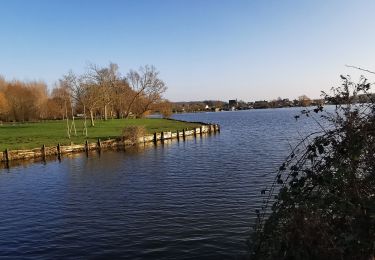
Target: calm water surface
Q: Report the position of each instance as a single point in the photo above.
(192, 199)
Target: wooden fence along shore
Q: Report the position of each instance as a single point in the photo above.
(58, 150)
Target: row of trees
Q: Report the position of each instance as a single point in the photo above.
(99, 92)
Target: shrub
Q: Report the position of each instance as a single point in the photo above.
(325, 206)
(133, 133)
(166, 109)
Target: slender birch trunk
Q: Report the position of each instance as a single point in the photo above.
(84, 122)
(67, 121)
(105, 113)
(73, 126)
(92, 117)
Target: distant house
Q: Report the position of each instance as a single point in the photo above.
(233, 104)
(261, 104)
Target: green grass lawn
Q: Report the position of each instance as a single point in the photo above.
(50, 133)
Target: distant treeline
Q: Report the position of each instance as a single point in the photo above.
(216, 105)
(100, 92)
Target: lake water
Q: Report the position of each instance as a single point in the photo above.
(192, 199)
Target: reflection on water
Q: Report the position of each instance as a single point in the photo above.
(180, 199)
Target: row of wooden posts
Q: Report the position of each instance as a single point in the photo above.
(109, 143)
(215, 129)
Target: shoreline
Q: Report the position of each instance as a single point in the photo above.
(59, 150)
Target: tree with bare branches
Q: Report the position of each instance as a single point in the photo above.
(147, 86)
(106, 79)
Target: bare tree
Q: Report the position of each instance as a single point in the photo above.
(106, 79)
(91, 99)
(121, 97)
(60, 96)
(72, 84)
(304, 100)
(147, 86)
(164, 107)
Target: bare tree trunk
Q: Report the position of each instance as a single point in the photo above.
(92, 117)
(105, 113)
(67, 121)
(73, 126)
(127, 112)
(84, 122)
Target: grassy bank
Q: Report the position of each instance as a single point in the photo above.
(50, 133)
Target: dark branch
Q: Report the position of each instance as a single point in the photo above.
(358, 68)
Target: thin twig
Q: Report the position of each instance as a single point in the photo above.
(358, 68)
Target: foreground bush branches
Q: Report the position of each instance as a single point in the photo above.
(325, 206)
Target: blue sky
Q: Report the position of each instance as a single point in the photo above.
(204, 49)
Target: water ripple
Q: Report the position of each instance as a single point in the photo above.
(193, 199)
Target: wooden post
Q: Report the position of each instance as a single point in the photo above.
(87, 148)
(99, 144)
(6, 155)
(44, 152)
(195, 132)
(178, 135)
(200, 130)
(155, 138)
(58, 152)
(183, 133)
(162, 136)
(58, 149)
